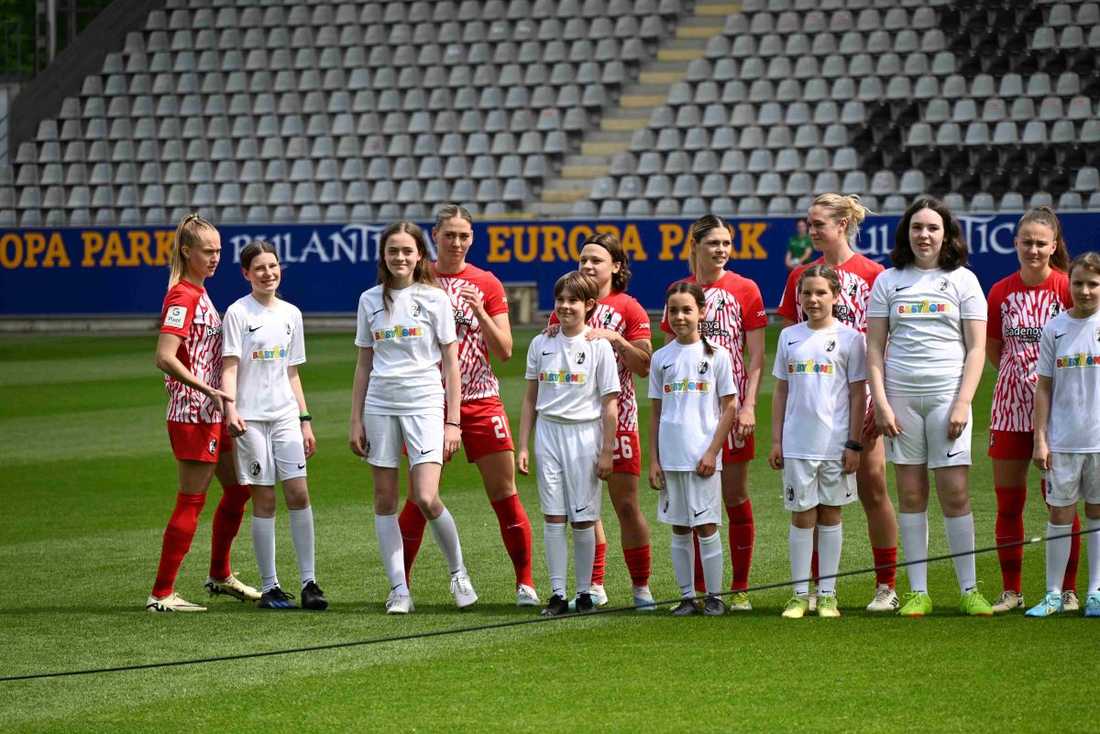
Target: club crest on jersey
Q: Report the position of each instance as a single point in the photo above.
(213, 447)
(853, 289)
(288, 330)
(416, 309)
(607, 319)
(1097, 334)
(941, 285)
(254, 468)
(1055, 309)
(580, 358)
(790, 493)
(830, 345)
(703, 367)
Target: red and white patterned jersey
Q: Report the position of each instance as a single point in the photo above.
(1017, 314)
(623, 314)
(478, 379)
(857, 275)
(189, 313)
(734, 307)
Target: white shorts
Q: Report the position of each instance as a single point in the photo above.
(566, 455)
(270, 451)
(689, 500)
(923, 439)
(808, 483)
(419, 435)
(1073, 477)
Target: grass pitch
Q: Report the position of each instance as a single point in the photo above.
(88, 485)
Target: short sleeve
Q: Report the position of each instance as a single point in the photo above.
(495, 299)
(178, 312)
(993, 329)
(553, 319)
(637, 322)
(788, 306)
(233, 332)
(879, 307)
(779, 367)
(443, 316)
(857, 358)
(655, 378)
(972, 305)
(364, 337)
(753, 314)
(724, 384)
(607, 372)
(297, 340)
(532, 371)
(1045, 365)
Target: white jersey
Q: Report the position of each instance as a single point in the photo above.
(573, 374)
(1069, 354)
(926, 309)
(406, 339)
(267, 341)
(690, 386)
(818, 365)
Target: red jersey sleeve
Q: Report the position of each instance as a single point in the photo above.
(788, 307)
(178, 311)
(1063, 292)
(553, 319)
(496, 301)
(993, 327)
(637, 321)
(754, 316)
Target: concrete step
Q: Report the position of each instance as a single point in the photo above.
(717, 9)
(680, 54)
(606, 136)
(626, 123)
(586, 173)
(584, 160)
(606, 148)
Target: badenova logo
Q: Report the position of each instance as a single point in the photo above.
(398, 332)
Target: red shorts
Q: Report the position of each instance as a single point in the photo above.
(1011, 445)
(627, 455)
(199, 441)
(738, 451)
(485, 428)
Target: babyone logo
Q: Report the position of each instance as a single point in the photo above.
(397, 332)
(810, 367)
(687, 386)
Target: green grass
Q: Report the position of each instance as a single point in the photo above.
(89, 483)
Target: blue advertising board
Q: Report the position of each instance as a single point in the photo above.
(104, 271)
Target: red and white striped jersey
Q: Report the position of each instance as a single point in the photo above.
(623, 314)
(857, 275)
(478, 379)
(1017, 314)
(734, 307)
(189, 313)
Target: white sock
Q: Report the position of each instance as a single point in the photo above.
(584, 555)
(683, 564)
(914, 543)
(557, 555)
(1093, 539)
(392, 551)
(1058, 556)
(263, 543)
(445, 533)
(960, 539)
(830, 539)
(710, 548)
(800, 542)
(301, 532)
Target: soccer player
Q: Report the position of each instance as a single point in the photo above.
(932, 309)
(406, 329)
(1019, 306)
(481, 318)
(818, 411)
(694, 407)
(834, 225)
(573, 390)
(263, 345)
(189, 352)
(1068, 449)
(621, 320)
(734, 319)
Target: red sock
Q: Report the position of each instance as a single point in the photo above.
(412, 523)
(515, 531)
(599, 564)
(1009, 528)
(227, 522)
(742, 538)
(885, 557)
(1069, 581)
(813, 567)
(637, 563)
(177, 541)
(700, 582)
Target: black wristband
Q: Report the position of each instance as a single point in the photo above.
(452, 423)
(305, 417)
(853, 445)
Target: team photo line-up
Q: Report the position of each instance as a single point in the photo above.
(872, 365)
